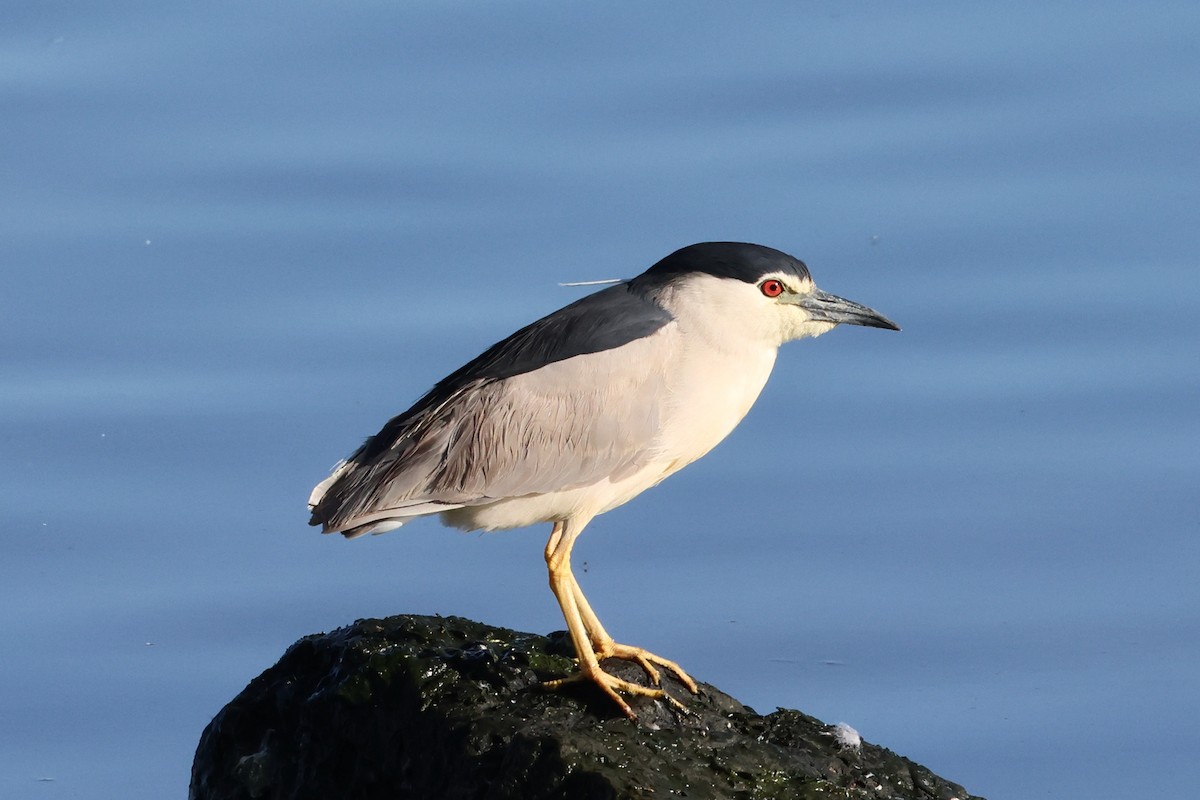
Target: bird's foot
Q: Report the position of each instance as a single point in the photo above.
(612, 685)
(646, 660)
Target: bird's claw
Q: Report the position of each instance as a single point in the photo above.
(646, 660)
(612, 685)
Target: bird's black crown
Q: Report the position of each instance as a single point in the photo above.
(736, 260)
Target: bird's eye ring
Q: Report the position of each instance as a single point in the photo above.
(771, 288)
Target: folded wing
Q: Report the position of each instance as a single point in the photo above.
(573, 399)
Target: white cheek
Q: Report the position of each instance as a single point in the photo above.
(807, 328)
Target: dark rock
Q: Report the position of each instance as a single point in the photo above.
(446, 708)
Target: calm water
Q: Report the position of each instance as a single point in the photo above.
(234, 241)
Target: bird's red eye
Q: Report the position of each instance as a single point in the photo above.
(771, 288)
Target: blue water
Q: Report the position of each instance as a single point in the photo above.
(235, 238)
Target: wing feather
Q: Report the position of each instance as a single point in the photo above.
(581, 408)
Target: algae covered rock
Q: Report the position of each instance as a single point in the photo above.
(444, 708)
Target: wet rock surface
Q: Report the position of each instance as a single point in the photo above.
(446, 708)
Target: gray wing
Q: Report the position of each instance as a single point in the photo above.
(570, 400)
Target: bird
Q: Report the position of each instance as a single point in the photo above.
(583, 410)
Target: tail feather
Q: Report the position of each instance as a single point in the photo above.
(321, 489)
(385, 520)
(329, 507)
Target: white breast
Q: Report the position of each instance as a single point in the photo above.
(710, 394)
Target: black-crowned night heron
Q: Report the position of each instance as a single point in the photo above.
(586, 409)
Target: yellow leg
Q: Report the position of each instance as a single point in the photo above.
(592, 642)
(606, 647)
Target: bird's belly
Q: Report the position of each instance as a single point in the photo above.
(585, 501)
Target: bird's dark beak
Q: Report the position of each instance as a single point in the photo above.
(825, 307)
